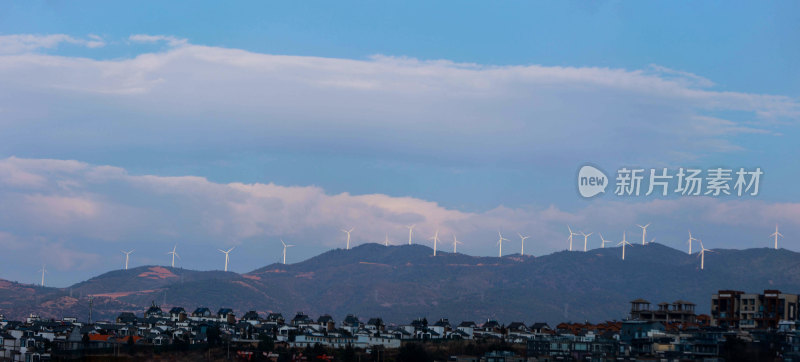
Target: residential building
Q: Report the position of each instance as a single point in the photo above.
(740, 310)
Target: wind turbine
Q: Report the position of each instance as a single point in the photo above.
(776, 234)
(585, 240)
(623, 243)
(644, 232)
(410, 232)
(174, 254)
(703, 251)
(522, 238)
(571, 234)
(348, 236)
(690, 242)
(455, 244)
(127, 255)
(500, 243)
(284, 251)
(603, 241)
(226, 256)
(43, 271)
(386, 240)
(435, 239)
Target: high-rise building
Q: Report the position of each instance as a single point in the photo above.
(737, 309)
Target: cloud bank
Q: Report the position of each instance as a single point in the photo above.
(190, 97)
(73, 215)
(25, 43)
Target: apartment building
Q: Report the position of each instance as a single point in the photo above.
(737, 309)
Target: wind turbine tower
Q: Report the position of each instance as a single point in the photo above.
(522, 239)
(348, 236)
(571, 234)
(776, 234)
(690, 242)
(226, 256)
(644, 233)
(703, 251)
(500, 244)
(435, 239)
(410, 232)
(284, 250)
(623, 243)
(455, 244)
(127, 256)
(585, 240)
(603, 241)
(44, 270)
(174, 254)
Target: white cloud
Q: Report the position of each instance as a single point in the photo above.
(170, 40)
(24, 43)
(383, 106)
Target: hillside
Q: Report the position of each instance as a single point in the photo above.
(400, 283)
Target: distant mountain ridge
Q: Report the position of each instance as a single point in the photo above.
(400, 283)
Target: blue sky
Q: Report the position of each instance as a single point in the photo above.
(257, 121)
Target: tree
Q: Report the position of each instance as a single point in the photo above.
(131, 345)
(212, 336)
(349, 354)
(318, 350)
(412, 352)
(735, 349)
(265, 343)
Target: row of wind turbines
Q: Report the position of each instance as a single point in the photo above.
(174, 254)
(435, 238)
(624, 242)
